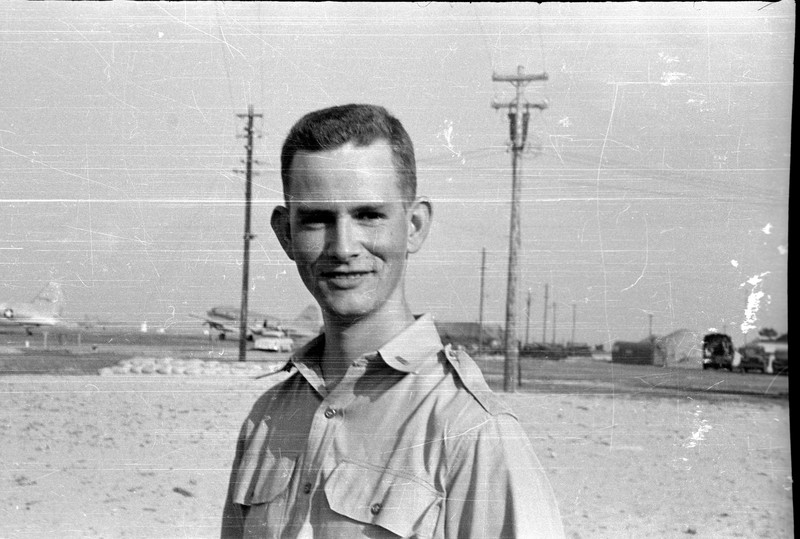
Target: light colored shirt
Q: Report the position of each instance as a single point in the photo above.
(410, 443)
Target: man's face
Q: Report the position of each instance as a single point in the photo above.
(348, 229)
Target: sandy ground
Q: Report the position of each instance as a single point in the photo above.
(149, 456)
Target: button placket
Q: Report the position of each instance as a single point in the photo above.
(324, 431)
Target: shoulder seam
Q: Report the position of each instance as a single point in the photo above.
(494, 406)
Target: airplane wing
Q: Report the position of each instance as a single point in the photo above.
(225, 319)
(306, 326)
(225, 326)
(217, 324)
(22, 315)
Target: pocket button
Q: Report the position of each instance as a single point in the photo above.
(375, 508)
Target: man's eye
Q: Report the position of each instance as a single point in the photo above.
(312, 220)
(369, 216)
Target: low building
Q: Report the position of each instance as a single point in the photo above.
(467, 335)
(647, 352)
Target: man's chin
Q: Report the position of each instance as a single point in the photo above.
(346, 314)
(345, 310)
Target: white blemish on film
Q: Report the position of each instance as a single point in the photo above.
(667, 58)
(753, 301)
(668, 78)
(701, 426)
(447, 134)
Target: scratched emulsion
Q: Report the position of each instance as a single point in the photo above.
(663, 153)
(654, 203)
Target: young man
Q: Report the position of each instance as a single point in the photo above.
(380, 431)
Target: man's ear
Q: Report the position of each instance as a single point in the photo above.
(280, 225)
(419, 223)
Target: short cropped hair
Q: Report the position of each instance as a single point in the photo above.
(361, 125)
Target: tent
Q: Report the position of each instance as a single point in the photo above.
(683, 348)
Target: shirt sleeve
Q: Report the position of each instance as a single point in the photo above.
(497, 487)
(232, 517)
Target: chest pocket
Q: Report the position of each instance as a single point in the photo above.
(262, 479)
(396, 502)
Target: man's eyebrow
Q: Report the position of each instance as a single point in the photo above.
(370, 206)
(305, 207)
(307, 211)
(311, 207)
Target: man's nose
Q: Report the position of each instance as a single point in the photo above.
(342, 241)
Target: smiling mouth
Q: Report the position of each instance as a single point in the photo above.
(344, 279)
(344, 275)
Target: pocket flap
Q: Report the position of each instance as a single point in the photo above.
(394, 501)
(261, 480)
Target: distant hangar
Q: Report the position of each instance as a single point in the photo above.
(680, 348)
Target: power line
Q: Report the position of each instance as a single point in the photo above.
(721, 187)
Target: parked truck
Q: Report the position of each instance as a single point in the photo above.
(718, 351)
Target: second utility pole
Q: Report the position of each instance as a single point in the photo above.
(518, 124)
(480, 305)
(247, 235)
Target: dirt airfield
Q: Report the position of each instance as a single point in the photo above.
(631, 451)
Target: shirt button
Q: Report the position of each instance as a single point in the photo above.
(375, 509)
(330, 412)
(307, 488)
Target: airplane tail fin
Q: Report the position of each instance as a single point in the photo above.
(51, 297)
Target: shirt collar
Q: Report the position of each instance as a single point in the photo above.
(405, 352)
(310, 352)
(306, 360)
(418, 342)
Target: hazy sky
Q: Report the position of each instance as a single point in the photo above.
(657, 181)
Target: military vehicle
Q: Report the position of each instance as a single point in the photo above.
(754, 358)
(717, 351)
(767, 356)
(537, 350)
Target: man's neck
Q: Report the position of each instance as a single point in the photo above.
(347, 340)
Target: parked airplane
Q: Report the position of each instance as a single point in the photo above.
(225, 319)
(306, 326)
(43, 310)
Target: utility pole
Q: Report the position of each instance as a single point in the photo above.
(480, 303)
(544, 323)
(573, 323)
(554, 322)
(518, 125)
(247, 235)
(650, 317)
(528, 315)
